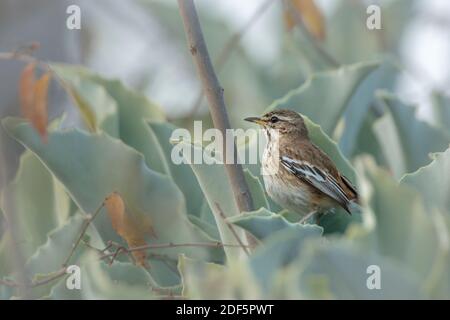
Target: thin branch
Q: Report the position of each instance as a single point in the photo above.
(230, 46)
(58, 274)
(319, 48)
(233, 231)
(236, 37)
(116, 253)
(177, 245)
(61, 272)
(8, 283)
(26, 58)
(214, 95)
(86, 224)
(155, 256)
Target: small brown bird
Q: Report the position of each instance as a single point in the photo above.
(297, 174)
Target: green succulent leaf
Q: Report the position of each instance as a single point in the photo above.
(210, 229)
(52, 254)
(441, 111)
(325, 96)
(405, 232)
(202, 280)
(367, 142)
(82, 162)
(257, 191)
(214, 182)
(6, 292)
(360, 106)
(406, 141)
(263, 223)
(279, 250)
(348, 274)
(6, 265)
(100, 281)
(37, 202)
(97, 107)
(133, 110)
(50, 257)
(349, 42)
(433, 182)
(181, 173)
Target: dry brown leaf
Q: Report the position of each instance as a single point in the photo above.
(26, 89)
(127, 226)
(309, 13)
(39, 114)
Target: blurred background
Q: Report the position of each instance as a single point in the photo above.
(382, 92)
(142, 43)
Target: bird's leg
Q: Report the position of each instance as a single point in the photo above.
(309, 215)
(318, 217)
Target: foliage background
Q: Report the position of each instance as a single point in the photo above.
(383, 115)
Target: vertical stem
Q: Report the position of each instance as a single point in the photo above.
(214, 95)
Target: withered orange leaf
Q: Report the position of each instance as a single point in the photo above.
(310, 14)
(26, 89)
(39, 113)
(127, 226)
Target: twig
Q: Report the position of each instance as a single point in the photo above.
(177, 245)
(8, 283)
(61, 272)
(222, 215)
(299, 21)
(214, 95)
(122, 249)
(116, 253)
(86, 224)
(164, 258)
(230, 46)
(236, 37)
(26, 57)
(58, 274)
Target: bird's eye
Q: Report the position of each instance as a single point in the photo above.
(274, 119)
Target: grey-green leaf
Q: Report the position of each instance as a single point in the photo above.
(263, 223)
(406, 141)
(433, 182)
(325, 95)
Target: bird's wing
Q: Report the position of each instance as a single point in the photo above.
(350, 186)
(317, 178)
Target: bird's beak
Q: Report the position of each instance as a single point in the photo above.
(255, 120)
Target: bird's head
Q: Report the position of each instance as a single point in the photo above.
(282, 121)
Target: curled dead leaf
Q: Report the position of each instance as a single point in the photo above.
(33, 97)
(39, 112)
(26, 89)
(128, 227)
(310, 14)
